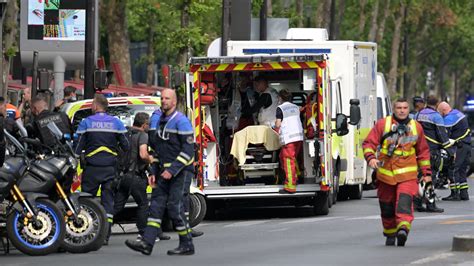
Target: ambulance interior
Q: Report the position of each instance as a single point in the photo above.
(234, 159)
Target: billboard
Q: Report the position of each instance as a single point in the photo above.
(54, 28)
(56, 20)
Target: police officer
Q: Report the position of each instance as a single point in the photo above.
(460, 134)
(418, 104)
(99, 137)
(437, 137)
(42, 117)
(69, 97)
(175, 149)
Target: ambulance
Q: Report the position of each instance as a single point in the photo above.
(353, 70)
(242, 166)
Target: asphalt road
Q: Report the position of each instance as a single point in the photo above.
(350, 235)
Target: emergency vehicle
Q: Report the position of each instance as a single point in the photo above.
(258, 178)
(353, 68)
(125, 108)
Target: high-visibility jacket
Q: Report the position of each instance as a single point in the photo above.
(411, 151)
(291, 129)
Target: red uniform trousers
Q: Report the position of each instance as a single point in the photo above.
(289, 164)
(396, 205)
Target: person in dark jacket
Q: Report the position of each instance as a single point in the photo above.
(460, 135)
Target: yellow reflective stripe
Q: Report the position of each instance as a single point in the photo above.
(385, 171)
(135, 101)
(110, 220)
(184, 232)
(424, 163)
(289, 175)
(399, 152)
(414, 130)
(153, 224)
(366, 150)
(404, 224)
(183, 160)
(390, 231)
(167, 165)
(405, 170)
(222, 67)
(100, 149)
(432, 140)
(388, 124)
(465, 134)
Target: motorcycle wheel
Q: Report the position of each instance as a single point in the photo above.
(37, 238)
(90, 232)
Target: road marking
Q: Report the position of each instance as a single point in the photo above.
(311, 220)
(278, 230)
(247, 223)
(371, 217)
(440, 217)
(433, 258)
(457, 222)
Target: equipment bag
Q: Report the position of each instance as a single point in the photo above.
(208, 89)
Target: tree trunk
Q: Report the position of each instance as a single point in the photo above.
(10, 30)
(381, 27)
(118, 38)
(327, 14)
(150, 67)
(269, 8)
(323, 14)
(392, 74)
(362, 17)
(185, 17)
(299, 14)
(373, 24)
(340, 16)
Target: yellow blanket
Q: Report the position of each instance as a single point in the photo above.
(253, 135)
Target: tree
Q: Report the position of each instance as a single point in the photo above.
(10, 44)
(396, 39)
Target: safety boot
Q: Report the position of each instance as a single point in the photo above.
(195, 233)
(431, 207)
(454, 196)
(140, 246)
(185, 247)
(402, 236)
(464, 194)
(418, 204)
(390, 241)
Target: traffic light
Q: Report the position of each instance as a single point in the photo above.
(45, 77)
(102, 79)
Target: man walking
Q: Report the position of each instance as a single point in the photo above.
(403, 151)
(175, 149)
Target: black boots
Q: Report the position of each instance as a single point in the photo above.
(185, 247)
(140, 246)
(390, 241)
(464, 194)
(401, 238)
(454, 196)
(195, 233)
(418, 204)
(431, 207)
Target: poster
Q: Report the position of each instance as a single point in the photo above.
(57, 20)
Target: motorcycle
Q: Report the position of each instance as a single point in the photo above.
(34, 224)
(85, 217)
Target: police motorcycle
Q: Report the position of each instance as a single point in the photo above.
(86, 220)
(34, 224)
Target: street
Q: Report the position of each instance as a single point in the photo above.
(350, 235)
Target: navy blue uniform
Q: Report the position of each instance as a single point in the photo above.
(174, 146)
(458, 129)
(99, 137)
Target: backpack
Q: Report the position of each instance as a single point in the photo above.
(126, 162)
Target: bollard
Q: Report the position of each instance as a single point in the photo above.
(463, 243)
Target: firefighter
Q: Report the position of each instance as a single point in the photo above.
(437, 137)
(42, 117)
(403, 150)
(175, 150)
(99, 137)
(266, 103)
(288, 125)
(460, 135)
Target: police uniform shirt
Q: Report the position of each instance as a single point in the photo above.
(458, 127)
(41, 122)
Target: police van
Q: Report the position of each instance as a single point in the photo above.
(125, 108)
(353, 70)
(242, 166)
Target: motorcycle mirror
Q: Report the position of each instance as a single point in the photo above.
(21, 128)
(14, 141)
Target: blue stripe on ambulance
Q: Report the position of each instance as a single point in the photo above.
(249, 51)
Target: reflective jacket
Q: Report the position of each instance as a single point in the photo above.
(433, 127)
(291, 129)
(411, 151)
(174, 143)
(458, 127)
(99, 136)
